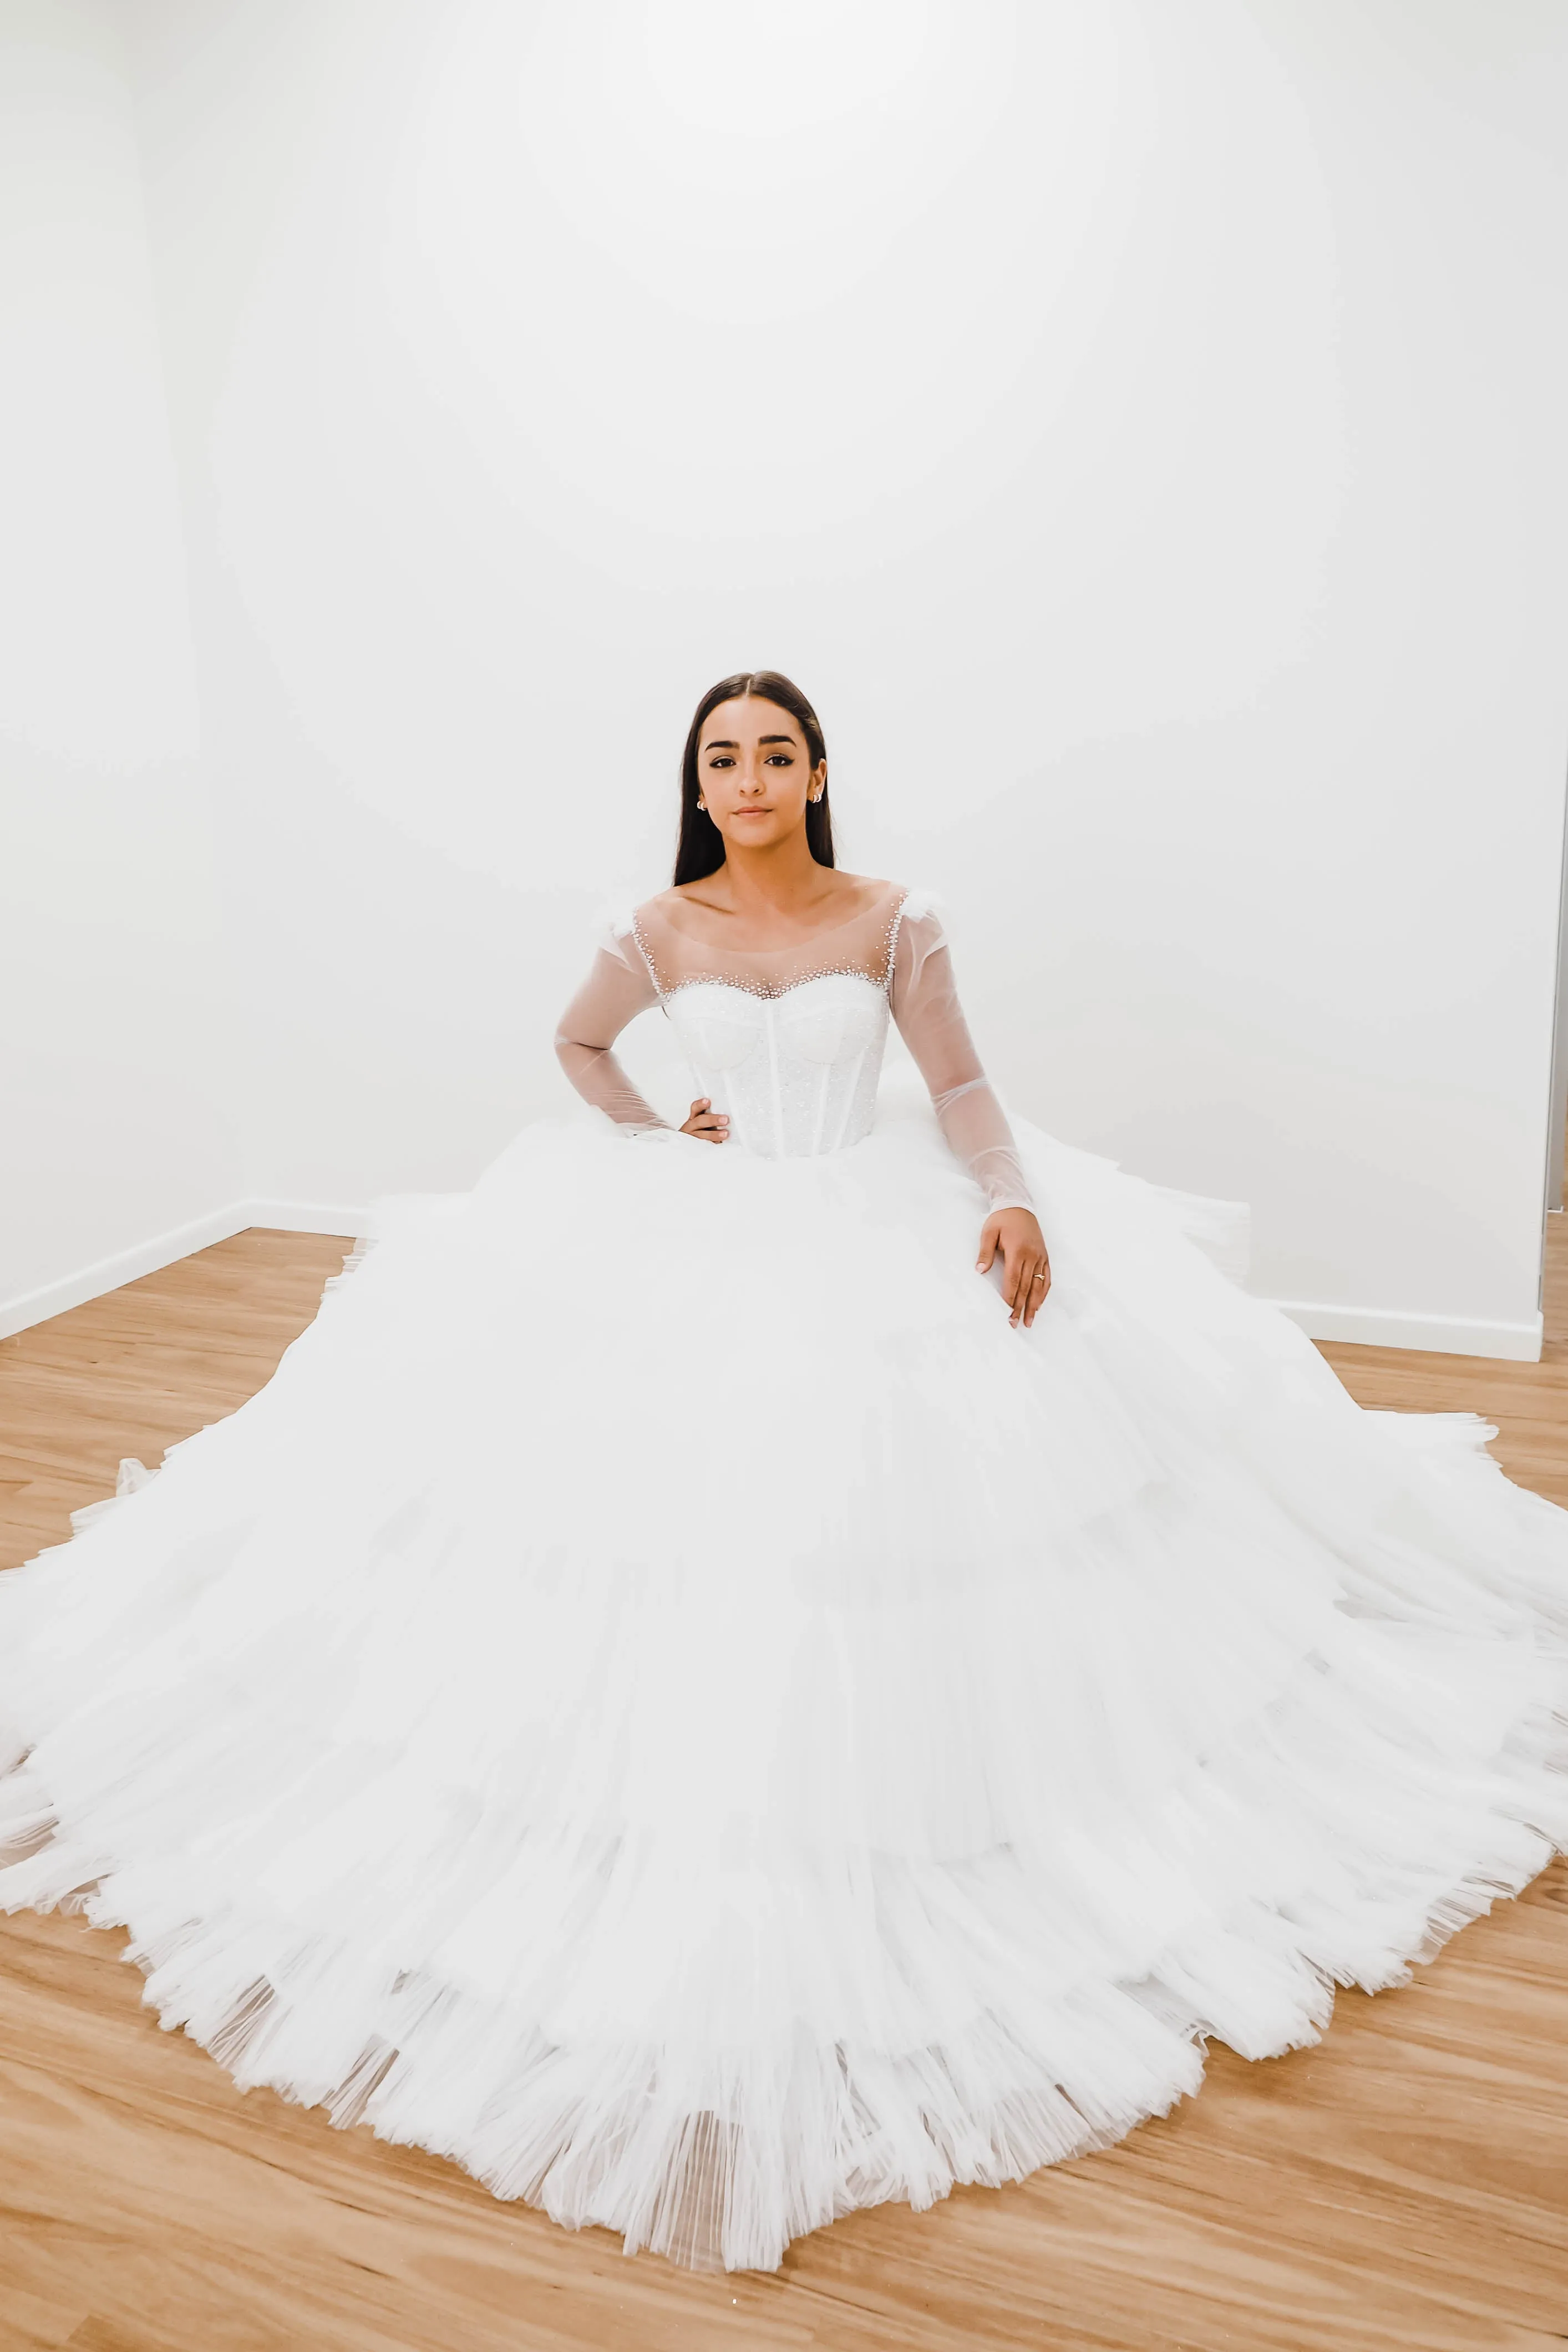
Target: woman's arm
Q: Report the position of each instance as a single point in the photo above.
(925, 999)
(619, 987)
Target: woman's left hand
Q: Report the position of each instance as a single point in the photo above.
(1026, 1269)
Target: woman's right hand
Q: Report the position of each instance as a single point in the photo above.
(710, 1125)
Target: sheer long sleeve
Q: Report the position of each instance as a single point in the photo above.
(619, 987)
(931, 1022)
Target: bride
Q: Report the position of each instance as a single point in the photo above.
(680, 1697)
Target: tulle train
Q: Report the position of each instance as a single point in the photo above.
(666, 1700)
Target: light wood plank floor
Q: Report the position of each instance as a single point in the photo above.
(1403, 2188)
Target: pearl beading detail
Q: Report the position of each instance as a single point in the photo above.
(882, 979)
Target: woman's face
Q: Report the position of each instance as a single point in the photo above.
(755, 772)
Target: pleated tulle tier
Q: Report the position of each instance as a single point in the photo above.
(667, 1700)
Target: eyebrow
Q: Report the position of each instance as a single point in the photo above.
(723, 744)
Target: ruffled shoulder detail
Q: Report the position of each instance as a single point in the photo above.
(914, 933)
(917, 902)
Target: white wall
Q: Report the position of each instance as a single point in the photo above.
(1139, 428)
(112, 1124)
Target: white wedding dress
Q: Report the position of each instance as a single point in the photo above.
(668, 1700)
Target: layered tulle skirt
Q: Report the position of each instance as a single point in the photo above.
(666, 1699)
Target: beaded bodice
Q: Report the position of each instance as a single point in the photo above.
(788, 1041)
(789, 1047)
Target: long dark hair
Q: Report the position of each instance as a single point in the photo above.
(700, 849)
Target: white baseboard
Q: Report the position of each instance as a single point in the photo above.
(126, 1266)
(150, 1256)
(1440, 1335)
(1367, 1326)
(306, 1216)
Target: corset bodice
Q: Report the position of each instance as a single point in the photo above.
(796, 1070)
(786, 1040)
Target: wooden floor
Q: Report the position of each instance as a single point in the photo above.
(1403, 2188)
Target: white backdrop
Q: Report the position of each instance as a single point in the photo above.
(112, 1124)
(1140, 431)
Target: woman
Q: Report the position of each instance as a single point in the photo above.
(678, 1697)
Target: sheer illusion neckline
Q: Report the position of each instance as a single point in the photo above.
(879, 922)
